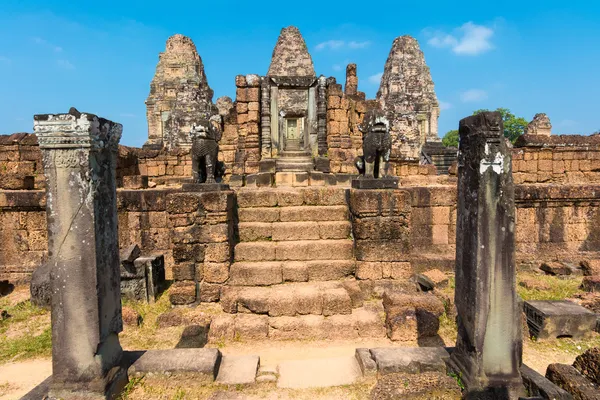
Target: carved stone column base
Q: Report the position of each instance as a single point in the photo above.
(100, 389)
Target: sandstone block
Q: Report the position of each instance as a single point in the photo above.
(591, 283)
(368, 323)
(217, 252)
(330, 270)
(182, 293)
(369, 270)
(569, 379)
(251, 327)
(335, 229)
(184, 271)
(255, 231)
(294, 328)
(255, 251)
(221, 328)
(314, 250)
(295, 271)
(216, 272)
(588, 364)
(309, 300)
(314, 213)
(336, 301)
(258, 214)
(290, 198)
(257, 198)
(409, 317)
(209, 292)
(256, 273)
(295, 231)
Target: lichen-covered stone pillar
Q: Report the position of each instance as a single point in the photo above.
(79, 156)
(489, 345)
(322, 116)
(265, 122)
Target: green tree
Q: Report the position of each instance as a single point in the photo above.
(513, 126)
(450, 139)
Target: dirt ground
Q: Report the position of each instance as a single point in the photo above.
(23, 370)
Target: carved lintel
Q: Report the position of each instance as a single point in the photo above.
(76, 130)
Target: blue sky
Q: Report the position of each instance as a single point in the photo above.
(529, 56)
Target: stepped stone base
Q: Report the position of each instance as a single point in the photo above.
(316, 298)
(275, 272)
(360, 323)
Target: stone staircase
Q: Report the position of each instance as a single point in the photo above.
(294, 158)
(294, 265)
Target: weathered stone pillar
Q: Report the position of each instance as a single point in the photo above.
(265, 122)
(79, 156)
(489, 345)
(351, 87)
(322, 116)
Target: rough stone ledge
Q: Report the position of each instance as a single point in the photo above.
(538, 385)
(555, 141)
(412, 360)
(202, 364)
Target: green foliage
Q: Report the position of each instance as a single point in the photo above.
(513, 126)
(458, 379)
(450, 139)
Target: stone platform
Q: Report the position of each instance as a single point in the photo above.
(553, 319)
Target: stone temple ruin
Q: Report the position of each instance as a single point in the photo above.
(326, 219)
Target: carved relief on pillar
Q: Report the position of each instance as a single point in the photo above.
(265, 109)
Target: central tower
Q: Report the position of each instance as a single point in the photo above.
(290, 94)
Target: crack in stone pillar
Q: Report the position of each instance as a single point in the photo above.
(79, 153)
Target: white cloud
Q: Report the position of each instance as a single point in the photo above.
(47, 44)
(359, 45)
(65, 64)
(331, 44)
(567, 123)
(444, 105)
(469, 39)
(375, 79)
(473, 95)
(336, 67)
(342, 44)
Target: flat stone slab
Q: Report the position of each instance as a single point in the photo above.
(555, 318)
(204, 187)
(412, 360)
(326, 372)
(376, 183)
(366, 362)
(203, 364)
(238, 370)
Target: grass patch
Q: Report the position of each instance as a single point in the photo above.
(557, 289)
(26, 333)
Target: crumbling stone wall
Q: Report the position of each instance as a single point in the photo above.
(23, 234)
(247, 106)
(557, 159)
(344, 114)
(20, 162)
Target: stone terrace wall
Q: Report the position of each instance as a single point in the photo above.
(20, 162)
(557, 159)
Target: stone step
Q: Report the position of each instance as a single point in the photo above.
(293, 214)
(365, 322)
(296, 250)
(291, 299)
(264, 273)
(284, 231)
(277, 197)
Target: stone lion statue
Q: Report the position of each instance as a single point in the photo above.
(205, 136)
(377, 145)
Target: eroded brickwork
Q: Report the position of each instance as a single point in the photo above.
(179, 94)
(407, 95)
